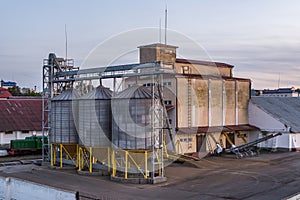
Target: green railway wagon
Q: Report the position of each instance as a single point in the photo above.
(22, 144)
(32, 144)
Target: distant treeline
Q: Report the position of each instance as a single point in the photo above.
(16, 91)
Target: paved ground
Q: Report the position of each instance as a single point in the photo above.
(269, 176)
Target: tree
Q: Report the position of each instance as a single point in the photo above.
(15, 91)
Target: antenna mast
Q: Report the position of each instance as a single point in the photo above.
(66, 37)
(160, 30)
(166, 20)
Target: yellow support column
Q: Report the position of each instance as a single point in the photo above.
(113, 159)
(146, 165)
(126, 164)
(241, 136)
(54, 155)
(228, 139)
(91, 160)
(79, 159)
(60, 155)
(77, 155)
(108, 159)
(51, 154)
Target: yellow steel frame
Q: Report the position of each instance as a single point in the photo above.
(166, 154)
(95, 154)
(179, 148)
(227, 138)
(241, 136)
(71, 152)
(130, 159)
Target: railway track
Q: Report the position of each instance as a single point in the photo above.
(21, 162)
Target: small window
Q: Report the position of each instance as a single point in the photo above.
(170, 121)
(185, 69)
(167, 83)
(148, 84)
(8, 132)
(243, 135)
(190, 139)
(25, 132)
(168, 102)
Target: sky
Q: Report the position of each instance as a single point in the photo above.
(261, 38)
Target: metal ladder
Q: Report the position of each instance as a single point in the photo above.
(165, 116)
(189, 106)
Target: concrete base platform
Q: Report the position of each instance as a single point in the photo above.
(155, 180)
(63, 168)
(87, 173)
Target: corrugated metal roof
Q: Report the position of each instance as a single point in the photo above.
(212, 129)
(69, 94)
(21, 114)
(99, 93)
(284, 109)
(134, 92)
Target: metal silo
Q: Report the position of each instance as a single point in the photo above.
(132, 115)
(63, 114)
(95, 118)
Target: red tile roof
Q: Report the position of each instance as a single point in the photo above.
(200, 62)
(4, 93)
(21, 115)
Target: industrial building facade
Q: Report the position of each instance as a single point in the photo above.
(163, 105)
(205, 103)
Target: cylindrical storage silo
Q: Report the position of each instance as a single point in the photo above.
(95, 118)
(131, 118)
(63, 113)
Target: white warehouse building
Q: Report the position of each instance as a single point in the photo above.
(274, 115)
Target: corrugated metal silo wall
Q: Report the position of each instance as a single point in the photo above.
(95, 122)
(131, 123)
(95, 118)
(63, 128)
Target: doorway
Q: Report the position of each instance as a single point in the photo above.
(231, 138)
(200, 140)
